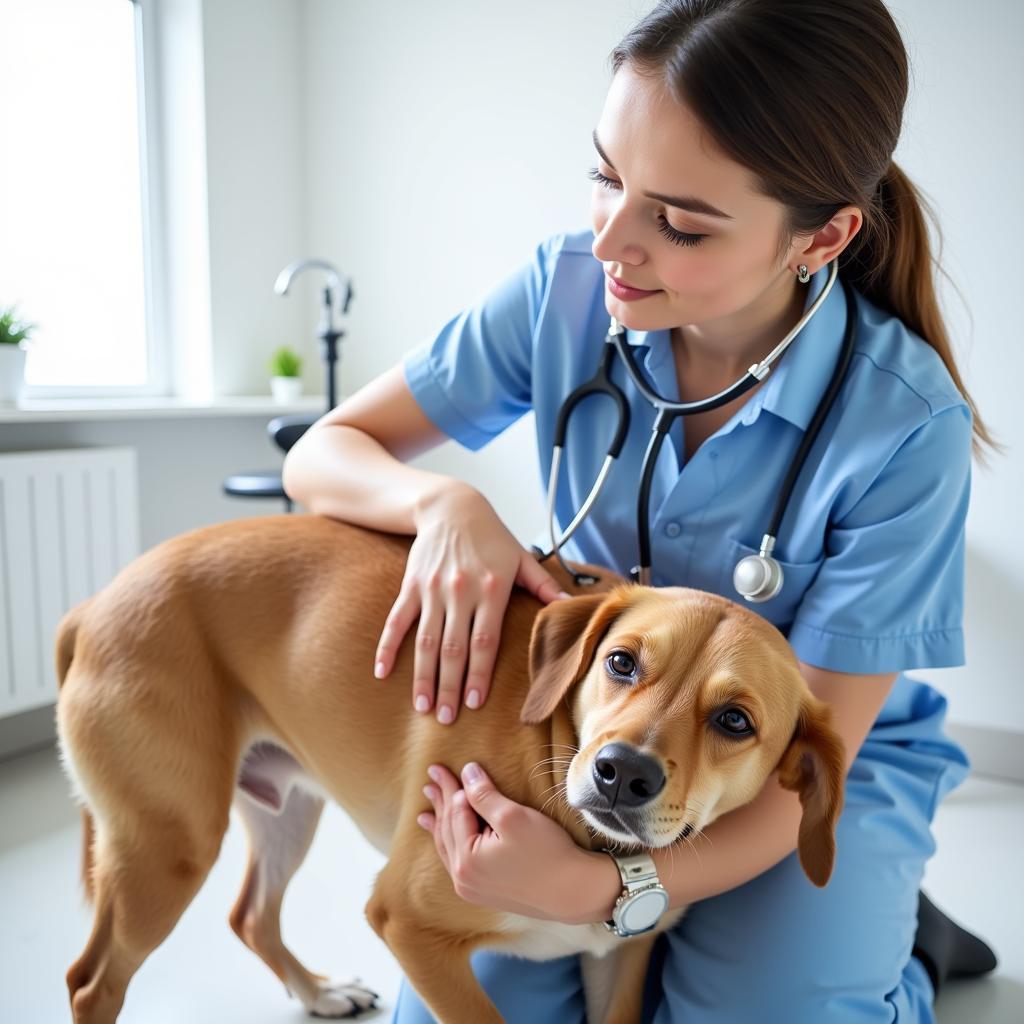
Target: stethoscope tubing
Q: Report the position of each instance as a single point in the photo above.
(668, 410)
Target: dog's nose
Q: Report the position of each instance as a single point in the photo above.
(625, 777)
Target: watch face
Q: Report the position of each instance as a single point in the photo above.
(643, 910)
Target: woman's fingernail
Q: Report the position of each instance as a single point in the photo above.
(445, 716)
(473, 699)
(562, 593)
(378, 670)
(429, 792)
(434, 773)
(471, 773)
(422, 703)
(423, 821)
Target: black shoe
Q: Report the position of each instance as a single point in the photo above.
(946, 949)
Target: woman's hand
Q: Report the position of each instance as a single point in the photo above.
(458, 578)
(520, 860)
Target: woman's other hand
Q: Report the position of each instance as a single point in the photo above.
(507, 856)
(460, 572)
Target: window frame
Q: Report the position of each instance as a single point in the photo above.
(158, 356)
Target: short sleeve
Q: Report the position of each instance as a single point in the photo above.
(473, 378)
(889, 594)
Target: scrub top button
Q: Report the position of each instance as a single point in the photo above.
(672, 529)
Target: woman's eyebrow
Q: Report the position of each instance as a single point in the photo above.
(691, 203)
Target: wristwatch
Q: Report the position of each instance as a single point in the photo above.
(643, 898)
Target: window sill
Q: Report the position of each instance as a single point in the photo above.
(50, 410)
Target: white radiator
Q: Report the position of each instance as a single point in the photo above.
(68, 522)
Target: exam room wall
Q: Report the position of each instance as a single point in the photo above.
(451, 138)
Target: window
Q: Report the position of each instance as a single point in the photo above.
(72, 194)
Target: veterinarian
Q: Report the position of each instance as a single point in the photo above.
(743, 147)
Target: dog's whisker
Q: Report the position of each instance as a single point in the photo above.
(553, 760)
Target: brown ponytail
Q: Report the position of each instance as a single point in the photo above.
(809, 95)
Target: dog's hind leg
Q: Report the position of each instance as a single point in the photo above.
(157, 778)
(145, 872)
(278, 843)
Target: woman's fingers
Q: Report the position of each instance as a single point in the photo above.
(428, 639)
(402, 615)
(484, 638)
(454, 645)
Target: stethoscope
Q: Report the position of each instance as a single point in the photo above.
(756, 577)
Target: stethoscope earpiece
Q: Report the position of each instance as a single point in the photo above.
(757, 578)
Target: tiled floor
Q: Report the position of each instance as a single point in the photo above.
(203, 975)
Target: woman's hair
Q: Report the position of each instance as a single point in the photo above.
(809, 95)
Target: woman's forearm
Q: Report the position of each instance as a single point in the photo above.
(734, 849)
(342, 472)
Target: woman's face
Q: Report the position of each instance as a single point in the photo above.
(700, 266)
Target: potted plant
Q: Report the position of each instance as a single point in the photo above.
(14, 341)
(285, 384)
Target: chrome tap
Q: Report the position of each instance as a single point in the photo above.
(327, 331)
(284, 282)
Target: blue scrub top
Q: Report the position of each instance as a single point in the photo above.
(872, 544)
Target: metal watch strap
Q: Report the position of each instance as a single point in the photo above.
(638, 872)
(636, 869)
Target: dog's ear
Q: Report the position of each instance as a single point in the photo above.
(565, 634)
(813, 767)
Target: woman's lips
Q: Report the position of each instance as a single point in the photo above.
(624, 292)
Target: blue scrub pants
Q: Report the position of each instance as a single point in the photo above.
(779, 949)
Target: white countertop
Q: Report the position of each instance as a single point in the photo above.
(49, 410)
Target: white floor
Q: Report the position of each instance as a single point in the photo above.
(203, 975)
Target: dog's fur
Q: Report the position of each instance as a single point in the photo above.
(233, 665)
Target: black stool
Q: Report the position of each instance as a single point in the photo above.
(284, 431)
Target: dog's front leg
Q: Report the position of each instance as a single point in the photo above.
(613, 985)
(437, 966)
(432, 932)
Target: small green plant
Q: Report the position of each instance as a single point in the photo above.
(12, 330)
(285, 362)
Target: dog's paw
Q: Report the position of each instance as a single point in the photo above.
(343, 999)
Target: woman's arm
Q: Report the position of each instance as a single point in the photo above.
(748, 841)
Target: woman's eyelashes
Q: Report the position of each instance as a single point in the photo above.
(679, 237)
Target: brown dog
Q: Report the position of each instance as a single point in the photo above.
(233, 664)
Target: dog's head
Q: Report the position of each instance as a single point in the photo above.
(684, 703)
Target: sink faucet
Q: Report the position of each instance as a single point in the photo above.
(327, 331)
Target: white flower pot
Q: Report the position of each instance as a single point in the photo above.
(286, 389)
(12, 372)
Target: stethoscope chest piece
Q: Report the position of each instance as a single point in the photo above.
(757, 578)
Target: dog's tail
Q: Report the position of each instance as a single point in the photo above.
(67, 631)
(88, 833)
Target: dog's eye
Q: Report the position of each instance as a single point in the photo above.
(735, 722)
(621, 664)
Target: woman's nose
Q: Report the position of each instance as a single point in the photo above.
(614, 239)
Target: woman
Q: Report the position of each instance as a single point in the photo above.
(743, 146)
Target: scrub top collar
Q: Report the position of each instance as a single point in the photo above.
(797, 380)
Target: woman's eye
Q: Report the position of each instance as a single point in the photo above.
(621, 664)
(736, 723)
(679, 237)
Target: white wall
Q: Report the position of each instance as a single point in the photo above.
(255, 140)
(452, 137)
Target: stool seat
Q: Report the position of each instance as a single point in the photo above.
(283, 431)
(257, 484)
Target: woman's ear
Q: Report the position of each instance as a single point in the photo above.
(565, 634)
(813, 767)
